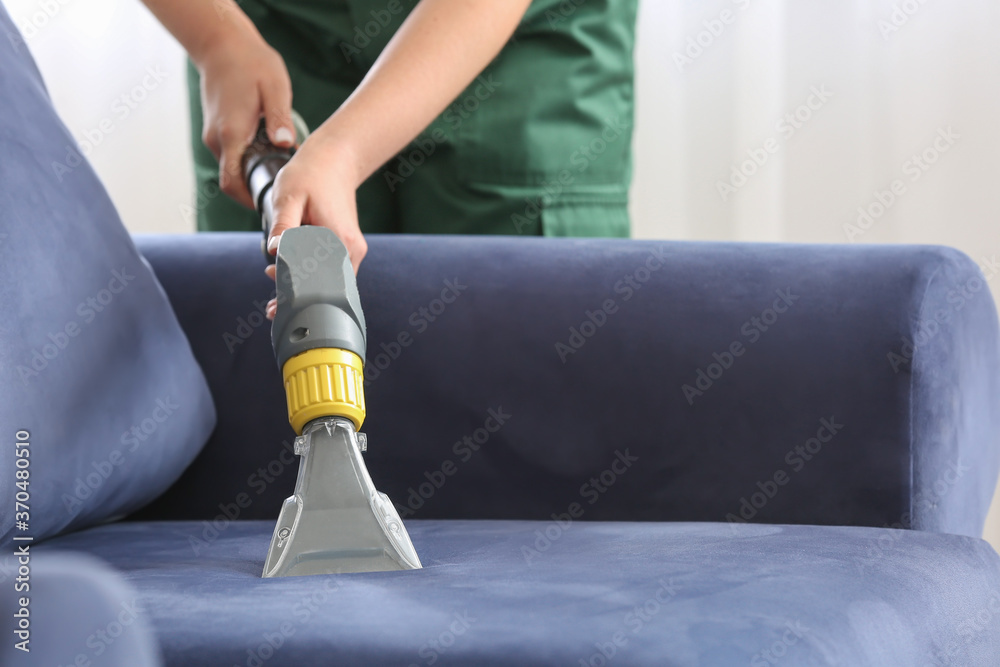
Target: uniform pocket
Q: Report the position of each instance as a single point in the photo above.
(586, 214)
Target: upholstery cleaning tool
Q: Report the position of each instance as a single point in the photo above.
(336, 521)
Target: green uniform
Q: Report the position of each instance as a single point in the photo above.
(539, 144)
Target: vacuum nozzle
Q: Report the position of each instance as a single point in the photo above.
(336, 521)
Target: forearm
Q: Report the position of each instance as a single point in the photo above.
(440, 48)
(200, 26)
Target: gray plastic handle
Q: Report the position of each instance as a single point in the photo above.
(318, 302)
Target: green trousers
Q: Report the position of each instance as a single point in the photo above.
(539, 144)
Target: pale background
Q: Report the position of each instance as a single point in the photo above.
(891, 93)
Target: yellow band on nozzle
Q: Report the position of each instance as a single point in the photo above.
(324, 382)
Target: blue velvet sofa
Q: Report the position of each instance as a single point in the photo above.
(607, 452)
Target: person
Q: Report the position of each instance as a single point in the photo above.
(437, 116)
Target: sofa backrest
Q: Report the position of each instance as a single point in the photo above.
(600, 379)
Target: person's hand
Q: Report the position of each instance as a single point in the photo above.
(317, 187)
(242, 79)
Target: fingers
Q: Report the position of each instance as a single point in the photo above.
(276, 95)
(272, 305)
(357, 248)
(210, 137)
(293, 209)
(288, 209)
(235, 136)
(227, 140)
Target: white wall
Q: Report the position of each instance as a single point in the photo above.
(891, 91)
(117, 78)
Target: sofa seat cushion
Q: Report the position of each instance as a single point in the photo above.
(560, 593)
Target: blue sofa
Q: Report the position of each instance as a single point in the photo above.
(607, 452)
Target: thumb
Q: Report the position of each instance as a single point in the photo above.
(287, 214)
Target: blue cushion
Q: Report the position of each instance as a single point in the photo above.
(95, 371)
(533, 593)
(918, 446)
(79, 612)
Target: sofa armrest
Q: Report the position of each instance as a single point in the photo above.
(601, 379)
(72, 603)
